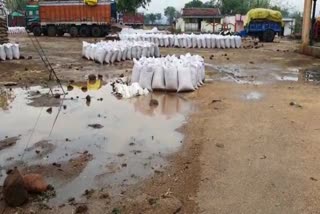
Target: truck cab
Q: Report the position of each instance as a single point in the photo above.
(32, 17)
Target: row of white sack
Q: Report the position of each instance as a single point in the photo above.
(126, 31)
(127, 92)
(188, 41)
(16, 30)
(186, 73)
(110, 52)
(9, 51)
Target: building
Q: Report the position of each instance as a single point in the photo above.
(289, 24)
(205, 20)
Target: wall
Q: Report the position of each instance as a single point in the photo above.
(288, 26)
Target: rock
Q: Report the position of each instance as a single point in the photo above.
(88, 98)
(84, 88)
(14, 192)
(100, 77)
(220, 145)
(70, 88)
(29, 57)
(92, 77)
(8, 142)
(313, 179)
(49, 110)
(153, 103)
(35, 183)
(57, 96)
(121, 75)
(96, 126)
(26, 69)
(10, 84)
(81, 209)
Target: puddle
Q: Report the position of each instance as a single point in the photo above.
(131, 143)
(253, 96)
(311, 75)
(255, 75)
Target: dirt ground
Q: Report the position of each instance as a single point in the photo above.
(251, 146)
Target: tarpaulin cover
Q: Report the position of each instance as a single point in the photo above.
(266, 14)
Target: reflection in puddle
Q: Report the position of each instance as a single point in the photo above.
(311, 75)
(134, 140)
(253, 96)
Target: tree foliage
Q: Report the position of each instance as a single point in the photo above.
(172, 14)
(131, 5)
(194, 3)
(151, 18)
(16, 5)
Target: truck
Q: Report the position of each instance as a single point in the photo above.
(264, 24)
(55, 18)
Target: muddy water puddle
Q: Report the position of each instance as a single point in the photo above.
(79, 145)
(261, 74)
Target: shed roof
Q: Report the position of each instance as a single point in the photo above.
(201, 12)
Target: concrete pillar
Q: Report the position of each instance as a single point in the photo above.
(306, 23)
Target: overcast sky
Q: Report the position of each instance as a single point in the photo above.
(157, 6)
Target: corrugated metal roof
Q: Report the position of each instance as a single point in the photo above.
(201, 12)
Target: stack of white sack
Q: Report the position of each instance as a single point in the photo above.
(112, 51)
(124, 91)
(187, 40)
(9, 51)
(183, 74)
(126, 31)
(16, 30)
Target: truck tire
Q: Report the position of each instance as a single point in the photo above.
(60, 32)
(84, 31)
(73, 31)
(52, 31)
(36, 31)
(96, 31)
(268, 36)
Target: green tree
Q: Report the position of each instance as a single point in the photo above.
(171, 13)
(16, 5)
(194, 3)
(131, 5)
(151, 18)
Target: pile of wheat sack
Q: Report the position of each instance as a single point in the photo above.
(176, 74)
(3, 31)
(187, 40)
(116, 51)
(9, 51)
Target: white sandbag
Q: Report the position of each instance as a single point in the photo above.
(194, 74)
(139, 52)
(185, 78)
(222, 43)
(100, 55)
(152, 51)
(114, 56)
(8, 50)
(119, 56)
(232, 42)
(218, 43)
(213, 42)
(161, 41)
(181, 42)
(108, 57)
(85, 46)
(189, 42)
(158, 77)
(166, 42)
(88, 50)
(92, 51)
(146, 75)
(171, 77)
(194, 42)
(16, 51)
(129, 53)
(171, 39)
(2, 53)
(199, 42)
(227, 41)
(136, 71)
(208, 42)
(203, 42)
(238, 41)
(134, 51)
(144, 52)
(156, 51)
(176, 42)
(185, 42)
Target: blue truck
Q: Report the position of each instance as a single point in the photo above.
(263, 29)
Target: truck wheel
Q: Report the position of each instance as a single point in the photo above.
(268, 36)
(60, 32)
(96, 31)
(84, 31)
(73, 31)
(52, 31)
(36, 31)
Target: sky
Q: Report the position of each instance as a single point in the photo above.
(157, 6)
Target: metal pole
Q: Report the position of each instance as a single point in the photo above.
(313, 21)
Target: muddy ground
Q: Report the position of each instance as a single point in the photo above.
(250, 145)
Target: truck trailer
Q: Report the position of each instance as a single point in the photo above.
(55, 18)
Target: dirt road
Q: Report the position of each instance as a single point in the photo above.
(251, 146)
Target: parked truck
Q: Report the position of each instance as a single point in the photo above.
(264, 24)
(55, 18)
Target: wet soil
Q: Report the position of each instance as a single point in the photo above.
(245, 149)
